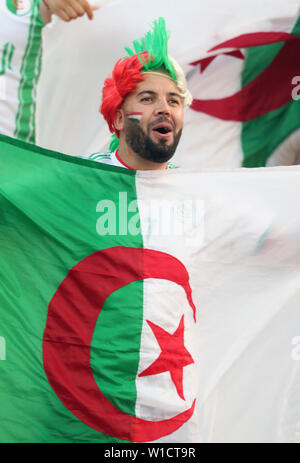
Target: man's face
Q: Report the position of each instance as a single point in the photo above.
(153, 118)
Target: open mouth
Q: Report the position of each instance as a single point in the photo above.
(163, 129)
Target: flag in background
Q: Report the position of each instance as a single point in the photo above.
(208, 140)
(129, 318)
(267, 104)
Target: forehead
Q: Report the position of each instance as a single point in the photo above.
(157, 84)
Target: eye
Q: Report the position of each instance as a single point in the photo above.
(146, 99)
(174, 102)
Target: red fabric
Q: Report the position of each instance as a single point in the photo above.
(72, 316)
(268, 91)
(204, 62)
(255, 39)
(173, 357)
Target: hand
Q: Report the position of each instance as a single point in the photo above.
(69, 9)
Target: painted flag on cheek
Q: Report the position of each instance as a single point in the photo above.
(146, 306)
(134, 116)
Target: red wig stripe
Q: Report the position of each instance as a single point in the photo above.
(125, 77)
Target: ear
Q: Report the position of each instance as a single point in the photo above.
(119, 119)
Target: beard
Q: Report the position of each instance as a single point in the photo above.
(141, 143)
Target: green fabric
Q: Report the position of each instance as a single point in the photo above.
(47, 225)
(261, 136)
(114, 143)
(8, 51)
(113, 359)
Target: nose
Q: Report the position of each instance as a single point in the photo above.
(162, 108)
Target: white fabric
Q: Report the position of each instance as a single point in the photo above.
(245, 280)
(111, 159)
(157, 393)
(107, 158)
(14, 30)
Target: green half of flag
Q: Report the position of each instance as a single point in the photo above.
(261, 136)
(49, 222)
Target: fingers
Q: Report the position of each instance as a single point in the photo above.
(71, 12)
(74, 9)
(62, 15)
(68, 10)
(87, 8)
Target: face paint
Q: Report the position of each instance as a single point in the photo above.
(135, 117)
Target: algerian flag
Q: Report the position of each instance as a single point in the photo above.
(147, 306)
(247, 91)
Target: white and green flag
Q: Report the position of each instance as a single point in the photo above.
(147, 306)
(246, 92)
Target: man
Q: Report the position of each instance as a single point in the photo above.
(21, 24)
(143, 104)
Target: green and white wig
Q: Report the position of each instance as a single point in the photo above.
(149, 55)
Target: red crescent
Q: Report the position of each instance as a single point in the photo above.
(72, 316)
(270, 90)
(204, 62)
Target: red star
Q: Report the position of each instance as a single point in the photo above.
(173, 357)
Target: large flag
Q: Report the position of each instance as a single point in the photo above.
(254, 80)
(147, 306)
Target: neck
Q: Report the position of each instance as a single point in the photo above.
(134, 161)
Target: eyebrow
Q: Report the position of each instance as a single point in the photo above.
(151, 92)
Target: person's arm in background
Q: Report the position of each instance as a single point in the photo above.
(65, 9)
(20, 58)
